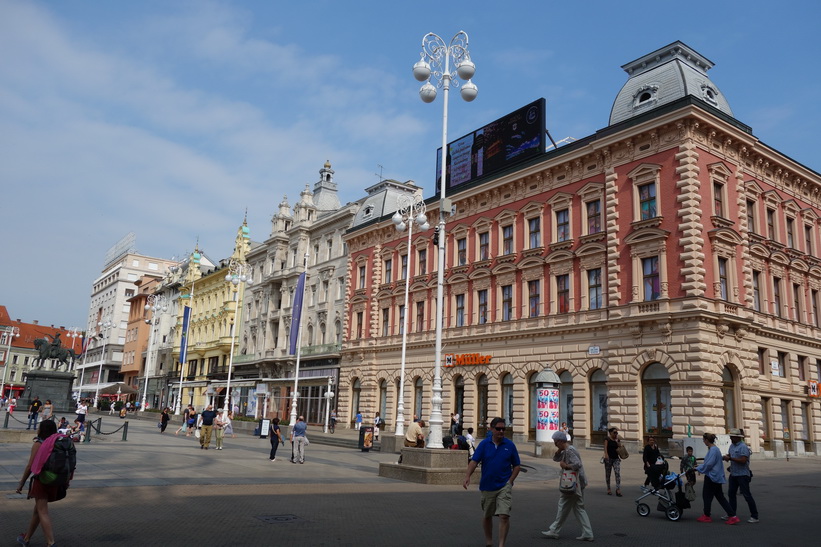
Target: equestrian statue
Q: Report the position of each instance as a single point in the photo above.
(53, 350)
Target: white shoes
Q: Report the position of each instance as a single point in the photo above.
(752, 520)
(550, 534)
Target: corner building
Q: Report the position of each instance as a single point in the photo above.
(665, 268)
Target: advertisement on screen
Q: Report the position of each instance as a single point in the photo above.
(496, 146)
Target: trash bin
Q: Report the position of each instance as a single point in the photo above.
(366, 438)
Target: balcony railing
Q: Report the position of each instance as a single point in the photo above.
(321, 349)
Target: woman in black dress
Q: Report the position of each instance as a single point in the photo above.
(612, 462)
(650, 456)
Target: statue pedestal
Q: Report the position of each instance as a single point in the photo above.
(54, 385)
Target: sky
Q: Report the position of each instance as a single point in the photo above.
(171, 119)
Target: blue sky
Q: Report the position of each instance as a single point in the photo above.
(169, 119)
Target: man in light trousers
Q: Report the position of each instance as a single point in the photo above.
(299, 440)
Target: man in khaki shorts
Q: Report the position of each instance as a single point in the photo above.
(500, 467)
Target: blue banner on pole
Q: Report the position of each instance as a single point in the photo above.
(186, 319)
(297, 312)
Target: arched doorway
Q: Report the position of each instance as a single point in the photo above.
(658, 414)
(356, 392)
(728, 396)
(532, 411)
(459, 397)
(418, 390)
(482, 408)
(566, 398)
(598, 407)
(507, 403)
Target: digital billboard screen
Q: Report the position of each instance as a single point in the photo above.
(513, 138)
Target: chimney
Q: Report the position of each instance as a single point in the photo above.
(36, 322)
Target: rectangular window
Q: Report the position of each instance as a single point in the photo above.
(326, 286)
(722, 278)
(818, 370)
(404, 267)
(751, 216)
(757, 290)
(777, 296)
(362, 277)
(460, 310)
(783, 362)
(330, 246)
(420, 316)
(797, 300)
(386, 325)
(718, 199)
(340, 288)
(594, 289)
(593, 216)
(815, 318)
(388, 270)
(762, 361)
(507, 302)
(423, 261)
(462, 251)
(507, 239)
(359, 324)
(808, 239)
(534, 297)
(563, 225)
(316, 253)
(650, 277)
(791, 233)
(484, 245)
(563, 293)
(803, 365)
(401, 319)
(647, 201)
(482, 297)
(535, 231)
(770, 224)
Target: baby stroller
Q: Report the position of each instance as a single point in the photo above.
(671, 503)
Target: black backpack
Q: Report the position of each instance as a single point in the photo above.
(59, 467)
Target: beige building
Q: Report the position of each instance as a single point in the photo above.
(666, 269)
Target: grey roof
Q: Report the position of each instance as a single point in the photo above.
(663, 76)
(382, 199)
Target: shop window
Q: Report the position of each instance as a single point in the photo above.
(598, 404)
(383, 399)
(728, 394)
(418, 390)
(459, 396)
(766, 424)
(356, 393)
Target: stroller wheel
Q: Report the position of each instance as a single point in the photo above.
(643, 509)
(673, 513)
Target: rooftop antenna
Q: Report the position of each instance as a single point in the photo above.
(379, 174)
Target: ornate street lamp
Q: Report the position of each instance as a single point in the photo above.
(105, 325)
(435, 65)
(238, 272)
(411, 211)
(154, 303)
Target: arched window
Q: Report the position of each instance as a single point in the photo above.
(533, 413)
(310, 336)
(728, 395)
(322, 333)
(598, 404)
(482, 384)
(356, 392)
(338, 327)
(658, 416)
(418, 388)
(507, 402)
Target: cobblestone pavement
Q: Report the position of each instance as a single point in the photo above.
(164, 490)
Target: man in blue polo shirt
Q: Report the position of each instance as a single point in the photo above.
(500, 467)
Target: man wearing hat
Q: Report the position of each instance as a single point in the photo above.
(740, 475)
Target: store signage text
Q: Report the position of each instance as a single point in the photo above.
(466, 359)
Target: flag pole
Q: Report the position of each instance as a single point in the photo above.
(296, 315)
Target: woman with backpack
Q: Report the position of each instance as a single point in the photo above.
(41, 493)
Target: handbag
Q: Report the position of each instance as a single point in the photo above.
(622, 451)
(197, 433)
(569, 481)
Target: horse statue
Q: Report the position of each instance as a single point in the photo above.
(47, 351)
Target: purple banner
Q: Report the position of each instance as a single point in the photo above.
(186, 319)
(296, 315)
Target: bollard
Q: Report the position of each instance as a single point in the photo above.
(6, 421)
(125, 431)
(89, 429)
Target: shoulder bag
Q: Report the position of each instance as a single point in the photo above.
(623, 453)
(569, 480)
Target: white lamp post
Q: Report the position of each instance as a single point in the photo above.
(11, 334)
(238, 272)
(193, 260)
(105, 326)
(435, 64)
(328, 396)
(73, 333)
(155, 303)
(411, 211)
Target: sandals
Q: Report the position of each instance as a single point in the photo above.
(609, 493)
(618, 493)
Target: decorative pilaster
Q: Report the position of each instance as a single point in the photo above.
(690, 226)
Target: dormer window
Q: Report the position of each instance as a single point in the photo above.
(709, 94)
(368, 211)
(645, 95)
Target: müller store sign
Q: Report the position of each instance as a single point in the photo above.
(466, 359)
